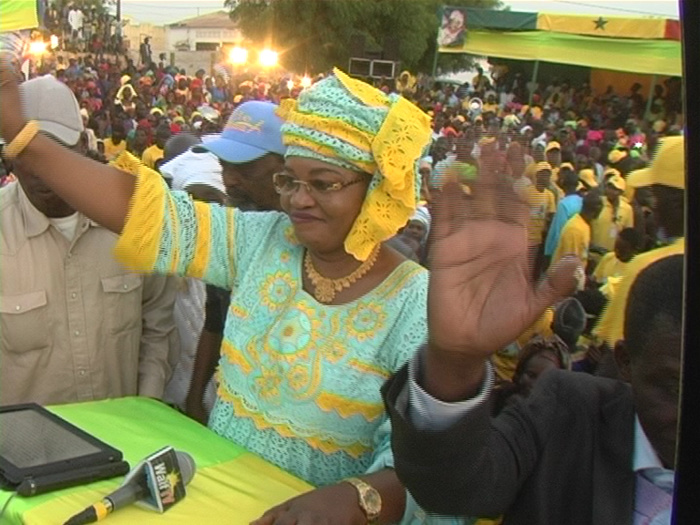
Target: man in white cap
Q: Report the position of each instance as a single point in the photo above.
(76, 325)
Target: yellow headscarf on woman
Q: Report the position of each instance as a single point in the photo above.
(351, 124)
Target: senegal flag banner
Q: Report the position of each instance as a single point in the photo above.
(607, 26)
(633, 45)
(16, 15)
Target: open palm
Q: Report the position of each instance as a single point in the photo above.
(481, 296)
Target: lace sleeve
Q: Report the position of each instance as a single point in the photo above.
(167, 232)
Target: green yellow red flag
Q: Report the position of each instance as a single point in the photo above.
(607, 26)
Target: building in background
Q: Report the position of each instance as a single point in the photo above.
(203, 33)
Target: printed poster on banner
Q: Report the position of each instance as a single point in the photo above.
(453, 27)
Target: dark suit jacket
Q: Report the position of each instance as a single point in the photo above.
(561, 457)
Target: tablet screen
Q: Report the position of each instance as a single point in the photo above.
(29, 439)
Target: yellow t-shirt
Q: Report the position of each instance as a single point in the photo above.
(151, 155)
(606, 227)
(541, 204)
(611, 325)
(112, 150)
(505, 361)
(575, 239)
(531, 171)
(608, 266)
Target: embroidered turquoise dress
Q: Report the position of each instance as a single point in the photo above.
(299, 381)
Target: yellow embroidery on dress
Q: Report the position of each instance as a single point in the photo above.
(125, 161)
(269, 381)
(238, 311)
(327, 446)
(329, 402)
(198, 266)
(406, 272)
(334, 350)
(368, 368)
(290, 236)
(364, 321)
(277, 289)
(298, 377)
(236, 357)
(138, 244)
(174, 234)
(231, 222)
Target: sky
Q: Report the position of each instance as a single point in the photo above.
(161, 12)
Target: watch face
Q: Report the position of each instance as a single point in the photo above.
(373, 503)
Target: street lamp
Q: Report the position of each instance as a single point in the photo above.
(238, 55)
(305, 82)
(268, 58)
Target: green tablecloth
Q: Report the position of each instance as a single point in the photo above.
(231, 485)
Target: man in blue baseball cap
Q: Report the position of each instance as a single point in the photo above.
(250, 151)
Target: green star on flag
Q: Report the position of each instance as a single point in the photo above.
(600, 23)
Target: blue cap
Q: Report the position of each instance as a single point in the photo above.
(252, 130)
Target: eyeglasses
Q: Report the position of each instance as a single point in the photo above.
(285, 184)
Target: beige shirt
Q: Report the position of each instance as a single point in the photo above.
(75, 324)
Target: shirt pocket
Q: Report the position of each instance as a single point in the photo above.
(123, 295)
(25, 322)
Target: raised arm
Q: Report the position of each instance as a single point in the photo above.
(99, 191)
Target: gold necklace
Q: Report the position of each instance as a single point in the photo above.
(325, 289)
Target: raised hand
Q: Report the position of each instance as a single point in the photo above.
(481, 296)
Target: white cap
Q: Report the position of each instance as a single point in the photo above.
(54, 106)
(194, 168)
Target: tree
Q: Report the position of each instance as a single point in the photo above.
(315, 35)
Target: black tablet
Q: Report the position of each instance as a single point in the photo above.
(40, 451)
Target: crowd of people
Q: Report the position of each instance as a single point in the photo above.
(287, 236)
(82, 27)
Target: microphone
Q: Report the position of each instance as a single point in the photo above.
(158, 482)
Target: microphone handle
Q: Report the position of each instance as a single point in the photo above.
(121, 497)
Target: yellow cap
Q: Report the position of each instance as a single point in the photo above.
(667, 168)
(610, 172)
(617, 181)
(552, 146)
(566, 165)
(616, 156)
(588, 178)
(543, 166)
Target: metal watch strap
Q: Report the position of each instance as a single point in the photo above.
(370, 500)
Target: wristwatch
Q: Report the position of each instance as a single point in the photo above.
(370, 500)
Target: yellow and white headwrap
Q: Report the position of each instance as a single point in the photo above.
(351, 124)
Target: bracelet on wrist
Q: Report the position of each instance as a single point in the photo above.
(22, 140)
